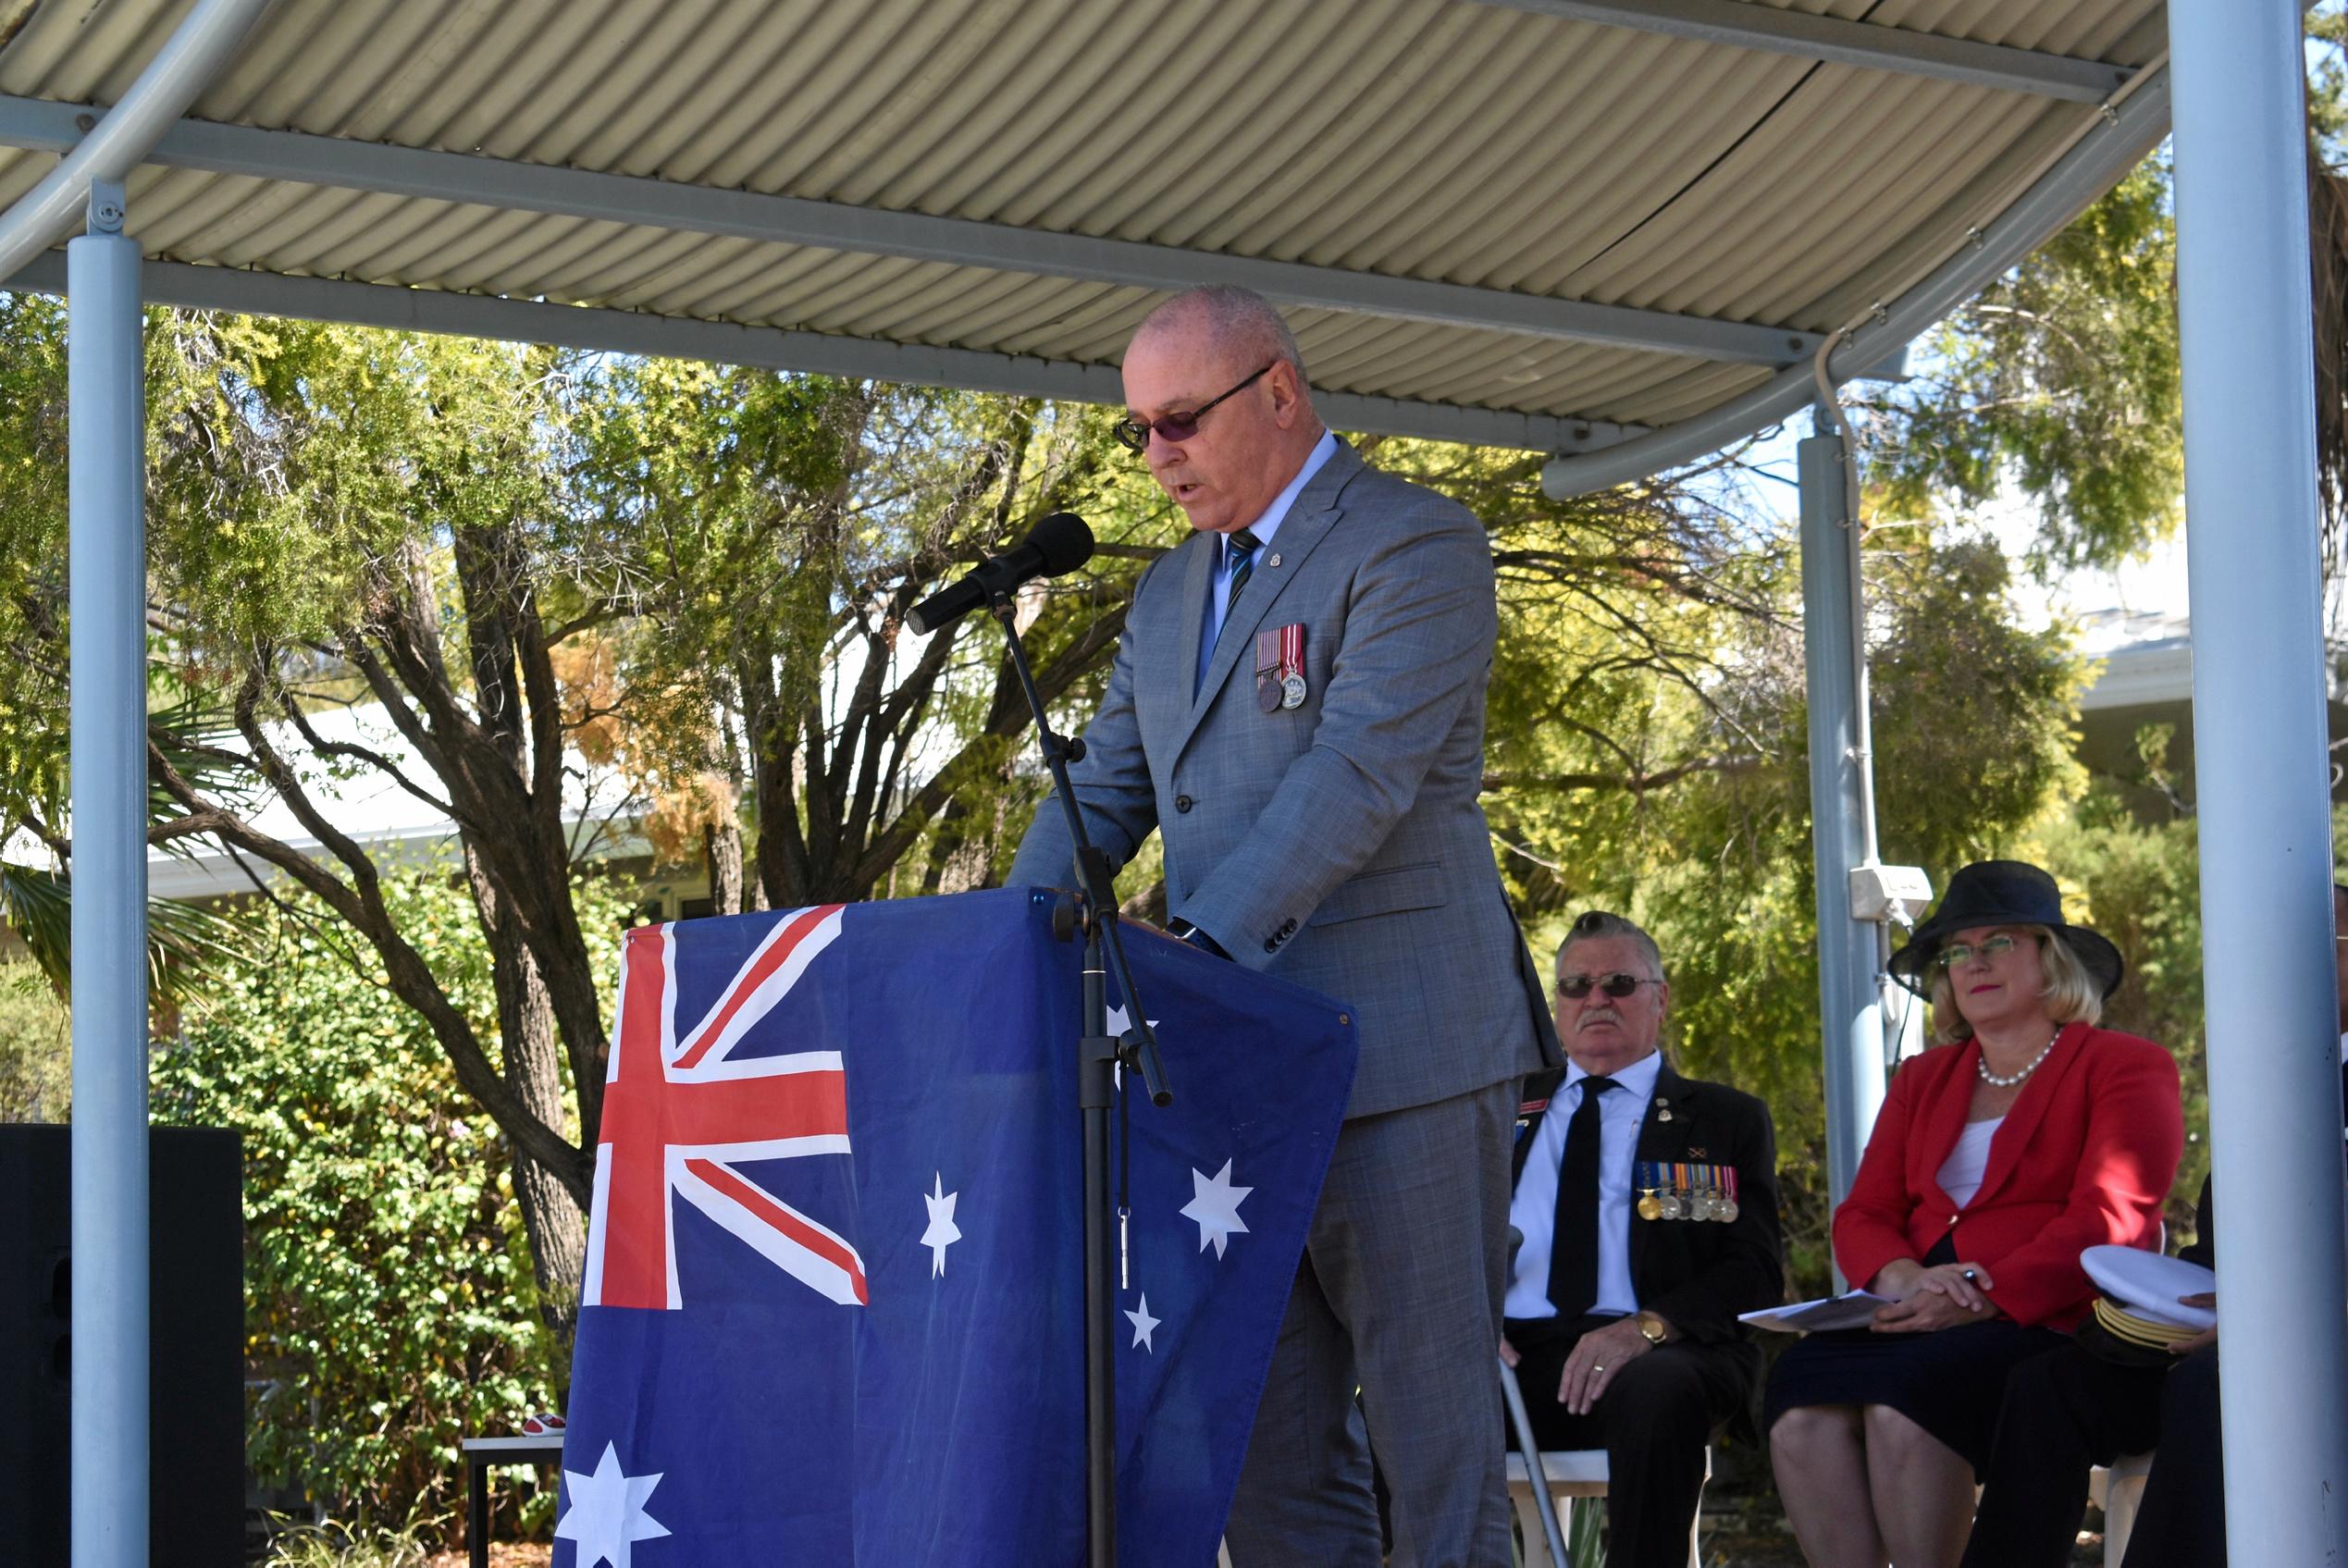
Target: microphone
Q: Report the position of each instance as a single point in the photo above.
(1060, 543)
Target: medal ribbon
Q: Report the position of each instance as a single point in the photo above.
(1292, 649)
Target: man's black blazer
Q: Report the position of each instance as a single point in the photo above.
(1699, 1275)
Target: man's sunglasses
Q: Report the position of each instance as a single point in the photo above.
(1134, 434)
(1617, 985)
(1957, 953)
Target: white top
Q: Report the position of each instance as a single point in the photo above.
(1534, 1209)
(1961, 1172)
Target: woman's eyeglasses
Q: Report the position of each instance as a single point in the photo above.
(1134, 434)
(1957, 953)
(1617, 985)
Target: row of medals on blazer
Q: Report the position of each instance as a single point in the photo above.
(1689, 1191)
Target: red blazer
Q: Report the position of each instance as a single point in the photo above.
(2085, 1158)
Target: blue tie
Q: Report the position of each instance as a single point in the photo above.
(1242, 547)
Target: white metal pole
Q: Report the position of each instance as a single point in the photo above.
(2259, 753)
(1850, 1007)
(109, 595)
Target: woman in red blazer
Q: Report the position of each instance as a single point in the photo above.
(2029, 1135)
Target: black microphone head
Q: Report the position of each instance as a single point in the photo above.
(1063, 542)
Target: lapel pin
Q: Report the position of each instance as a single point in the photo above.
(1275, 561)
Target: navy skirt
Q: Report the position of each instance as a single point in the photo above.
(1950, 1381)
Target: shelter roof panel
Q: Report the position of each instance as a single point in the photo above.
(1457, 191)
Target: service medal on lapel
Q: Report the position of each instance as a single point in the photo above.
(1279, 668)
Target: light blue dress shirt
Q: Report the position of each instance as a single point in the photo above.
(1534, 1209)
(1218, 597)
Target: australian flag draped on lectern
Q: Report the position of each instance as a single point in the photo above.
(833, 1310)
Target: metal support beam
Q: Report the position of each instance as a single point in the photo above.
(108, 584)
(833, 226)
(202, 42)
(771, 348)
(2253, 565)
(1851, 1005)
(2108, 151)
(1871, 46)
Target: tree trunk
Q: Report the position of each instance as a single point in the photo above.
(532, 1060)
(722, 845)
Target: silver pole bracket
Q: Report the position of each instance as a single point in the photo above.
(107, 206)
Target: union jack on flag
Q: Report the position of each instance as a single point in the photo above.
(682, 1113)
(832, 1305)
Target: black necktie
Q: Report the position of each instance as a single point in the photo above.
(1573, 1250)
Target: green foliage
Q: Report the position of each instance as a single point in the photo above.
(389, 1285)
(336, 1545)
(36, 1047)
(2061, 378)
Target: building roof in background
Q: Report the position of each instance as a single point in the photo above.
(392, 823)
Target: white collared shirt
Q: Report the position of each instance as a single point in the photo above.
(1534, 1208)
(1218, 595)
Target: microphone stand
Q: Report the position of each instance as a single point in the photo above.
(1100, 1055)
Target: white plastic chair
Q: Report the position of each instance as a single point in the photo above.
(2120, 1492)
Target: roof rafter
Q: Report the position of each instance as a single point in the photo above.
(1872, 45)
(348, 165)
(773, 348)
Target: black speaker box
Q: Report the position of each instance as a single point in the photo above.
(195, 1446)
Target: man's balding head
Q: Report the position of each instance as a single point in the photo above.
(1236, 324)
(1224, 354)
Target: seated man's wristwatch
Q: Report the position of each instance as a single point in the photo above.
(1183, 932)
(1651, 1329)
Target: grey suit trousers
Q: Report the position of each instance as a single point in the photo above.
(1400, 1291)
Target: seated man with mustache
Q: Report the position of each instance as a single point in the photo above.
(1649, 1207)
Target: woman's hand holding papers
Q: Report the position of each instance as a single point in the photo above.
(1939, 1297)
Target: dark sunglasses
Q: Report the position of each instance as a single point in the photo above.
(1617, 985)
(1134, 434)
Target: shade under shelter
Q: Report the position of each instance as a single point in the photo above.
(1622, 232)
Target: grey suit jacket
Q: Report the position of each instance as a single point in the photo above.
(1339, 843)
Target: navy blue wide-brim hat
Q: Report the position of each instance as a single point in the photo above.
(2002, 892)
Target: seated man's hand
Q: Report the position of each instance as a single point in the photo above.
(1596, 1357)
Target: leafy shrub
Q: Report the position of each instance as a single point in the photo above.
(391, 1309)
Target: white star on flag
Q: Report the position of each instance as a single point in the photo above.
(942, 1232)
(1120, 1021)
(1144, 1324)
(1214, 1205)
(606, 1516)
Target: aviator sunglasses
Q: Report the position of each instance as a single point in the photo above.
(1617, 985)
(1134, 434)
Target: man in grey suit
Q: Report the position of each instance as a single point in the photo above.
(1297, 708)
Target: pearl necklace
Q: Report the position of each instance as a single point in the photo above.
(1992, 1079)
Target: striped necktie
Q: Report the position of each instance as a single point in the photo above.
(1242, 547)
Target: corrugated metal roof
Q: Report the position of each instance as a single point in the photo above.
(1451, 142)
